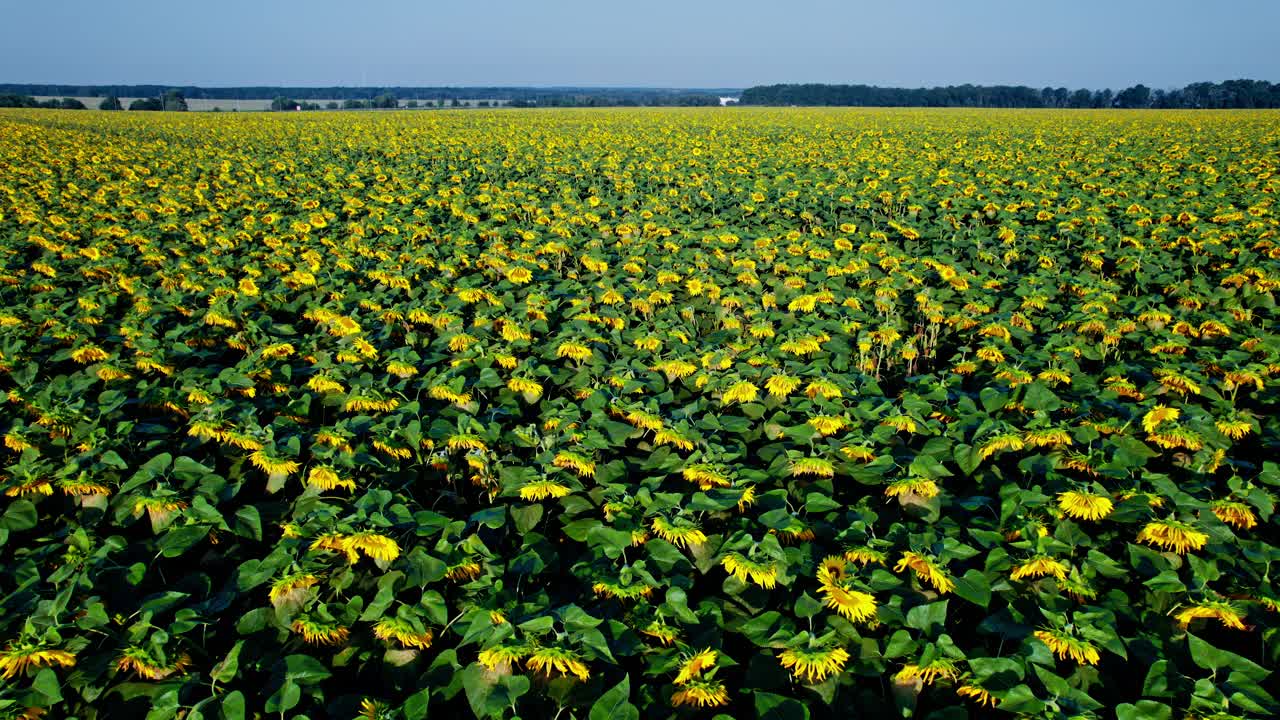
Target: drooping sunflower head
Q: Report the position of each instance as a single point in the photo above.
(561, 661)
(813, 665)
(404, 632)
(320, 632)
(681, 533)
(139, 660)
(1065, 645)
(701, 694)
(1235, 514)
(663, 632)
(502, 655)
(1173, 535)
(292, 589)
(1223, 612)
(17, 657)
(1085, 506)
(764, 574)
(929, 672)
(1040, 566)
(927, 569)
(692, 666)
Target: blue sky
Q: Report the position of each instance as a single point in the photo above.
(668, 43)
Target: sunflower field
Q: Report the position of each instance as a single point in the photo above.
(728, 414)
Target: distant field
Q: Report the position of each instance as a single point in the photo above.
(205, 105)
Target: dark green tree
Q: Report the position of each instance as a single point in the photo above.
(1138, 96)
(173, 101)
(110, 102)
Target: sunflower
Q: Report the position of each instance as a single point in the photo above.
(326, 478)
(664, 633)
(901, 423)
(1158, 415)
(813, 665)
(927, 569)
(779, 386)
(403, 632)
(999, 443)
(692, 666)
(864, 556)
(1236, 514)
(678, 535)
(291, 588)
(671, 437)
(608, 588)
(500, 655)
(818, 467)
(531, 389)
(1065, 645)
(1234, 429)
(580, 465)
(702, 694)
(1224, 612)
(763, 574)
(465, 570)
(828, 424)
(1173, 535)
(542, 489)
(741, 392)
(907, 487)
(319, 632)
(377, 547)
(140, 661)
(374, 710)
(706, 477)
(938, 668)
(1039, 566)
(275, 468)
(978, 694)
(854, 605)
(16, 658)
(559, 660)
(1085, 506)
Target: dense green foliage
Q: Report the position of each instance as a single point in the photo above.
(582, 414)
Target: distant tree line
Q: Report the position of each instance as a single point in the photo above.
(10, 100)
(1229, 94)
(438, 96)
(170, 100)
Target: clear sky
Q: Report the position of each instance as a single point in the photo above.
(656, 43)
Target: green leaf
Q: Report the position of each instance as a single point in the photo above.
(1039, 397)
(615, 704)
(1144, 710)
(284, 699)
(778, 707)
(233, 706)
(19, 516)
(806, 606)
(974, 587)
(248, 523)
(526, 518)
(46, 683)
(305, 670)
(1212, 658)
(225, 671)
(930, 618)
(180, 539)
(613, 542)
(415, 707)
